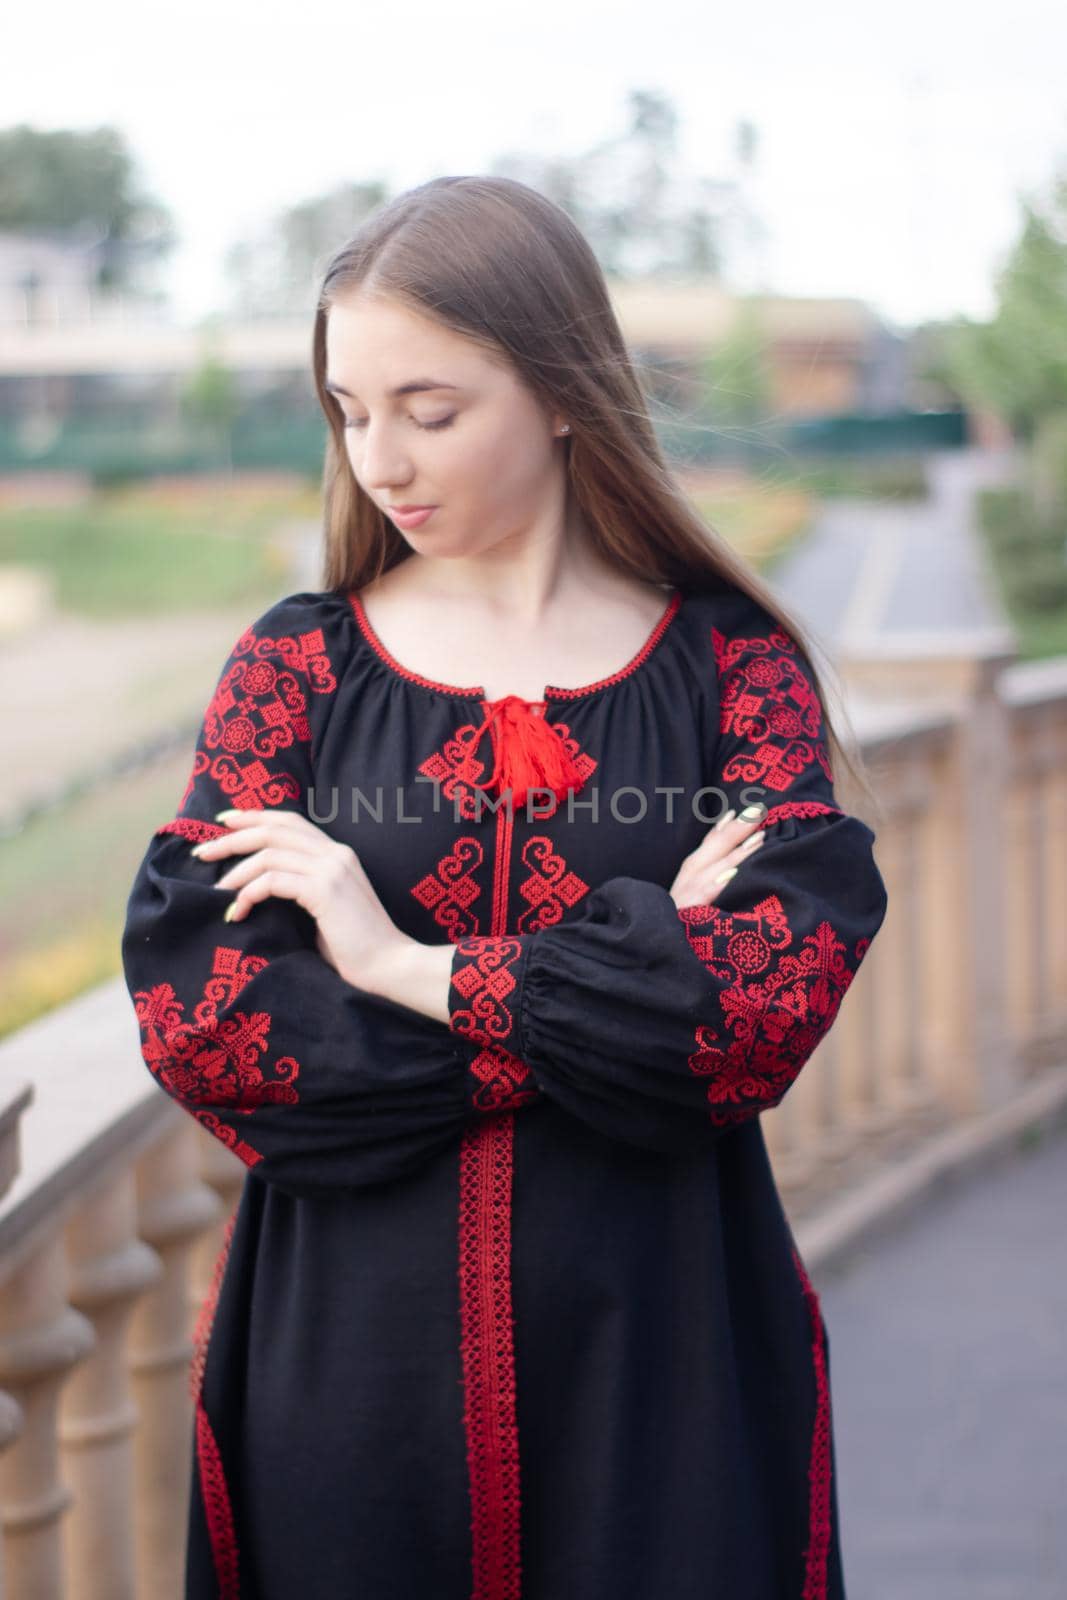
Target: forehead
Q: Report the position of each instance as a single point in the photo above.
(380, 345)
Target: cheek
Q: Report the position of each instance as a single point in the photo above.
(505, 465)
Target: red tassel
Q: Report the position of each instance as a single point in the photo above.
(530, 753)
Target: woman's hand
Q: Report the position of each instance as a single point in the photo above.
(283, 853)
(715, 860)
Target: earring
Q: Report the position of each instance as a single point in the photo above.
(566, 428)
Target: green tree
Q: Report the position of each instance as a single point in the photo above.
(1016, 364)
(277, 272)
(641, 212)
(210, 400)
(83, 185)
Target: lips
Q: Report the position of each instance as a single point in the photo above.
(411, 518)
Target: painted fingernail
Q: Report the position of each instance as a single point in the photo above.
(724, 819)
(750, 813)
(228, 914)
(724, 877)
(197, 850)
(754, 839)
(226, 816)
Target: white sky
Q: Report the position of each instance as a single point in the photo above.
(895, 140)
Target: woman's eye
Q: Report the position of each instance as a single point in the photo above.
(360, 422)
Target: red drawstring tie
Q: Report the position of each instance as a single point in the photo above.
(530, 754)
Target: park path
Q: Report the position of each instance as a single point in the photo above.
(872, 567)
(79, 691)
(948, 1362)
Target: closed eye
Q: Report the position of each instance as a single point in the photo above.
(360, 422)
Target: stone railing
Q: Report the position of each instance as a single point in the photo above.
(112, 1222)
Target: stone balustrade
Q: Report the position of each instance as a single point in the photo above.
(113, 1202)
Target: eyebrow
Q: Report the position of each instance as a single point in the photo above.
(416, 386)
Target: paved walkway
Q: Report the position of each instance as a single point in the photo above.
(898, 566)
(948, 1358)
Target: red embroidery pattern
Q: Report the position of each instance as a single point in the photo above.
(460, 771)
(800, 808)
(779, 1001)
(550, 889)
(192, 829)
(452, 888)
(488, 1357)
(546, 805)
(259, 708)
(486, 983)
(206, 1315)
(505, 1082)
(211, 1061)
(820, 1503)
(218, 1510)
(767, 700)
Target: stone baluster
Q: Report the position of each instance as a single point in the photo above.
(176, 1210)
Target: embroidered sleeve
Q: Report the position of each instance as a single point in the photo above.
(313, 1082)
(667, 1026)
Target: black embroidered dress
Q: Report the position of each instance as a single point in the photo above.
(509, 1308)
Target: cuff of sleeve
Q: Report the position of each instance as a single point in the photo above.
(485, 1007)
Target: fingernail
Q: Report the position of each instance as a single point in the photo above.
(750, 813)
(724, 819)
(196, 849)
(724, 877)
(228, 914)
(754, 839)
(226, 816)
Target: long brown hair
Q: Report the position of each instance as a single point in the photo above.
(500, 263)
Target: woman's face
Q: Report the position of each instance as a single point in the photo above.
(474, 443)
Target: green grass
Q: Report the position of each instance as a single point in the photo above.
(891, 478)
(141, 549)
(136, 550)
(64, 883)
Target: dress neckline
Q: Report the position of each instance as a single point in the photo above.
(551, 692)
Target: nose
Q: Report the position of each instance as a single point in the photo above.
(385, 465)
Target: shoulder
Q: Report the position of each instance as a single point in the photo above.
(278, 683)
(301, 616)
(737, 636)
(307, 634)
(731, 613)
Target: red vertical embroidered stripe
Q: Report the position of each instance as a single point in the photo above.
(218, 1510)
(487, 1342)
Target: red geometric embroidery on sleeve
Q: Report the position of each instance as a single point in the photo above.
(781, 997)
(193, 829)
(768, 701)
(503, 1081)
(208, 1062)
(486, 983)
(800, 808)
(258, 709)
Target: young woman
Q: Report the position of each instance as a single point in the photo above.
(509, 887)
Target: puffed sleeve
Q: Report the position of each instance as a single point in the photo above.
(314, 1083)
(666, 1026)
